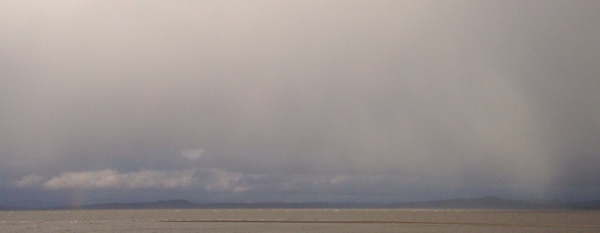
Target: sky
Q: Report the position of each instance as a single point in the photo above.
(298, 101)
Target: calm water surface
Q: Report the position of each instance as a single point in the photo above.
(300, 220)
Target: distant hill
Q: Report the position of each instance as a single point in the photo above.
(170, 204)
(488, 202)
(593, 204)
(184, 204)
(10, 208)
(491, 202)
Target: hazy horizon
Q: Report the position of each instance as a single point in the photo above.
(295, 101)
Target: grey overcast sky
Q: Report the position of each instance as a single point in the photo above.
(253, 101)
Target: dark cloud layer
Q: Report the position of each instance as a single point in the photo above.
(299, 100)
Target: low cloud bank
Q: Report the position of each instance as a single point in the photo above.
(114, 179)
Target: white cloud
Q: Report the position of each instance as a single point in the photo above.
(219, 180)
(192, 154)
(214, 180)
(209, 180)
(30, 180)
(113, 179)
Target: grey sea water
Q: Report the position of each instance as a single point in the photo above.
(300, 220)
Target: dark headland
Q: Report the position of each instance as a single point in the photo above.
(488, 202)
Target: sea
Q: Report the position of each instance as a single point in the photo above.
(300, 220)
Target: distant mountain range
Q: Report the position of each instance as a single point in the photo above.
(2, 208)
(491, 202)
(488, 202)
(184, 204)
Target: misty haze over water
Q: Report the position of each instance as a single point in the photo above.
(298, 101)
